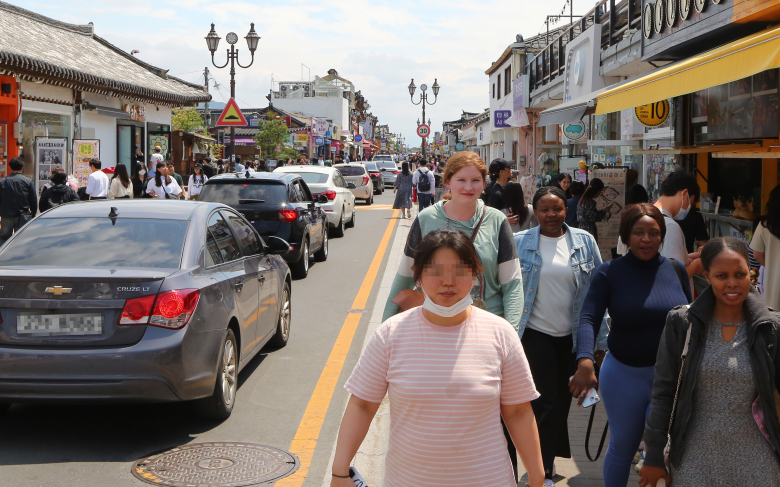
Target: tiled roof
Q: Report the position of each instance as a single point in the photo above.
(35, 47)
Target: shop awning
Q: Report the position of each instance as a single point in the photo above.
(736, 60)
(570, 112)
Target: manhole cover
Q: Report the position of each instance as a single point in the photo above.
(218, 464)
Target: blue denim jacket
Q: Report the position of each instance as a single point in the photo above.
(585, 258)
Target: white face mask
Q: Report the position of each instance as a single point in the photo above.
(447, 311)
(141, 172)
(683, 211)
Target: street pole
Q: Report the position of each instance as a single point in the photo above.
(423, 101)
(206, 84)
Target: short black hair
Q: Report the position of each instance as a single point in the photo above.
(577, 187)
(679, 180)
(714, 247)
(633, 213)
(16, 164)
(637, 194)
(58, 178)
(545, 190)
(95, 162)
(445, 238)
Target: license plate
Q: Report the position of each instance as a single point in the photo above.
(71, 324)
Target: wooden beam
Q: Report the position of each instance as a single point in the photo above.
(702, 149)
(746, 155)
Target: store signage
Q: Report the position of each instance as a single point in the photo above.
(319, 141)
(83, 152)
(460, 146)
(321, 126)
(574, 131)
(287, 140)
(501, 117)
(520, 92)
(653, 114)
(254, 121)
(136, 113)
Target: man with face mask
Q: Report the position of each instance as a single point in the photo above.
(675, 204)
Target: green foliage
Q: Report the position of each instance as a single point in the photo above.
(271, 136)
(216, 150)
(288, 153)
(186, 119)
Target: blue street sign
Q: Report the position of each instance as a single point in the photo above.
(327, 134)
(384, 140)
(319, 141)
(358, 138)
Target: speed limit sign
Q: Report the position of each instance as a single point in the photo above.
(423, 130)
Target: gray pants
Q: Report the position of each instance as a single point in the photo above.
(9, 225)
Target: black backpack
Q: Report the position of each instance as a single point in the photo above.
(423, 182)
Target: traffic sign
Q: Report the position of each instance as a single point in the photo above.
(358, 138)
(232, 116)
(423, 130)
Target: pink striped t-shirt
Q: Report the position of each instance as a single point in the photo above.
(446, 385)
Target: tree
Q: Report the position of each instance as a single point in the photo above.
(271, 136)
(187, 119)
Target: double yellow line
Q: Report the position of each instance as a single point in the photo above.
(305, 440)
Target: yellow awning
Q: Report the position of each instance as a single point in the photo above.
(736, 60)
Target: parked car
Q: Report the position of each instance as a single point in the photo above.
(389, 172)
(376, 176)
(138, 300)
(328, 181)
(278, 205)
(356, 173)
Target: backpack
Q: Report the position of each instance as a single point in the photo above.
(423, 182)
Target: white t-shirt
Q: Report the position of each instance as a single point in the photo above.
(194, 186)
(421, 173)
(173, 189)
(97, 185)
(551, 311)
(155, 159)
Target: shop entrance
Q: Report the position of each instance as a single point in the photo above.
(129, 145)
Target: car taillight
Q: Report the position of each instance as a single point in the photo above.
(288, 215)
(330, 194)
(395, 172)
(366, 180)
(172, 309)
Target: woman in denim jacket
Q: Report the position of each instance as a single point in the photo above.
(557, 264)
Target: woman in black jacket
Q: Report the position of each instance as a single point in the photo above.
(725, 428)
(57, 194)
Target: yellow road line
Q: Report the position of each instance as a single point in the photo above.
(305, 440)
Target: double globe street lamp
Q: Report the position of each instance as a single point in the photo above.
(423, 101)
(252, 40)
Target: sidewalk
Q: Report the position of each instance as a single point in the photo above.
(575, 472)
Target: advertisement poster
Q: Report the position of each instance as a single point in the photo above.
(49, 153)
(83, 151)
(612, 199)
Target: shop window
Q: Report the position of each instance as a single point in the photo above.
(494, 90)
(508, 80)
(735, 180)
(499, 86)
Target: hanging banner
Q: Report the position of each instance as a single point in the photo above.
(49, 153)
(653, 114)
(83, 152)
(612, 199)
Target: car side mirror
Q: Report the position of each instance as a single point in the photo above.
(351, 185)
(322, 199)
(277, 246)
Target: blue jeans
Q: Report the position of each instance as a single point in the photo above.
(626, 392)
(424, 200)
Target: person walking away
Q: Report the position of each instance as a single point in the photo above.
(140, 180)
(18, 203)
(766, 248)
(716, 376)
(577, 188)
(638, 289)
(499, 288)
(500, 172)
(208, 169)
(438, 184)
(97, 184)
(587, 214)
(196, 182)
(452, 411)
(320, 161)
(425, 184)
(517, 209)
(121, 185)
(59, 193)
(557, 263)
(564, 182)
(238, 167)
(156, 158)
(403, 191)
(163, 186)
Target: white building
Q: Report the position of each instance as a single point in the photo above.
(503, 136)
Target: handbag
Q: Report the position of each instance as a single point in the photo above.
(676, 395)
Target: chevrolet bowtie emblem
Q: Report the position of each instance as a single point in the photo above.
(59, 290)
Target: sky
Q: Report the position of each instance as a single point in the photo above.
(378, 45)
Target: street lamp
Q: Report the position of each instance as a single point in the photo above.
(424, 100)
(212, 41)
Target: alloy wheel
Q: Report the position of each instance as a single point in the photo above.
(306, 256)
(229, 373)
(285, 316)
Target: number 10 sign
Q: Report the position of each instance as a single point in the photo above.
(423, 130)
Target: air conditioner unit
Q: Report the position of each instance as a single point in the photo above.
(284, 87)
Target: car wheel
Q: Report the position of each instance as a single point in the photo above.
(338, 231)
(220, 404)
(370, 200)
(283, 324)
(351, 223)
(322, 254)
(301, 268)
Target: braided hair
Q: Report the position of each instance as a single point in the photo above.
(551, 190)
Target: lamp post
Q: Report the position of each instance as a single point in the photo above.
(423, 101)
(252, 40)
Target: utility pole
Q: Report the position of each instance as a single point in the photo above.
(206, 117)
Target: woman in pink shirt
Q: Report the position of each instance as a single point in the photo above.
(449, 368)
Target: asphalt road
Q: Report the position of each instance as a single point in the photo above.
(96, 445)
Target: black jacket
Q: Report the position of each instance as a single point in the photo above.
(763, 327)
(17, 193)
(57, 195)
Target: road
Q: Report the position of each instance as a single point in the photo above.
(96, 445)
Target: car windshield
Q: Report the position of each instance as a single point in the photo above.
(388, 165)
(371, 166)
(352, 171)
(382, 158)
(230, 193)
(97, 242)
(313, 177)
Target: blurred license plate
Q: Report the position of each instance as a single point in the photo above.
(70, 324)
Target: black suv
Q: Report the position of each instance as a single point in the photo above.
(278, 205)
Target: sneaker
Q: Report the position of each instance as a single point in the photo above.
(549, 483)
(639, 464)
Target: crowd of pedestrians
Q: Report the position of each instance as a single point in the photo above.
(501, 313)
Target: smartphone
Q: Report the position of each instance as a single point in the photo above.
(591, 398)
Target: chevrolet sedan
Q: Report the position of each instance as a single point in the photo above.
(138, 300)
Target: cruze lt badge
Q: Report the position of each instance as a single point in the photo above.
(59, 290)
(132, 289)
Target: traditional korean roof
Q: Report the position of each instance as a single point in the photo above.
(37, 48)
